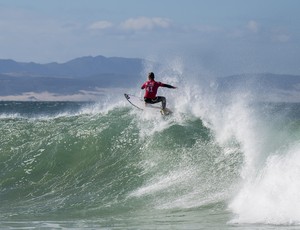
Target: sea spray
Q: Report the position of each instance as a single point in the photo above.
(269, 145)
(272, 197)
(202, 168)
(266, 135)
(268, 193)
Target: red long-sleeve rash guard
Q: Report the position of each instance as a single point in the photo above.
(151, 87)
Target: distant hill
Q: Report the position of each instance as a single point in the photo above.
(263, 86)
(77, 68)
(85, 73)
(94, 73)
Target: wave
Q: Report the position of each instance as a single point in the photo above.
(113, 161)
(217, 152)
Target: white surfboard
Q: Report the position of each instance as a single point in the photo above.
(140, 104)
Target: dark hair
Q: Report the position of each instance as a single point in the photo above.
(151, 75)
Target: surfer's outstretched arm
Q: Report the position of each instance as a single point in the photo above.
(169, 86)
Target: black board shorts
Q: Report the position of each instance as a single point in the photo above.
(154, 100)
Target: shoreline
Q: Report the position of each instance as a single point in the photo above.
(80, 96)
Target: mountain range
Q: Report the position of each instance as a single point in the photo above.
(85, 73)
(89, 74)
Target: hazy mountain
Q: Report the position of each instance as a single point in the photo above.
(77, 68)
(85, 73)
(92, 73)
(263, 86)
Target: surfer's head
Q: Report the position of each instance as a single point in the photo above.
(151, 75)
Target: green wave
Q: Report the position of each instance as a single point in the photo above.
(110, 163)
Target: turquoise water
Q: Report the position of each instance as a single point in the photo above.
(82, 165)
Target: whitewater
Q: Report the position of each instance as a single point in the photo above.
(222, 161)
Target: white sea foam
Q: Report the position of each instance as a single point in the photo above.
(268, 191)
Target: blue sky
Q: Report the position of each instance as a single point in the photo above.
(224, 37)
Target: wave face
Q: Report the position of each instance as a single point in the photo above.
(117, 162)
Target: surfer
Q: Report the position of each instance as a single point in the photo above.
(151, 87)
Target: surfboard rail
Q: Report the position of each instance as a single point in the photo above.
(140, 104)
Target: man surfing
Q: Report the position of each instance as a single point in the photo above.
(151, 87)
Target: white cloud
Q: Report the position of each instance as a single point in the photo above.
(253, 26)
(280, 34)
(100, 25)
(207, 29)
(142, 23)
(282, 38)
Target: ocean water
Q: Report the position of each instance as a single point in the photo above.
(211, 165)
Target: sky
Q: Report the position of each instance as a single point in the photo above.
(223, 37)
